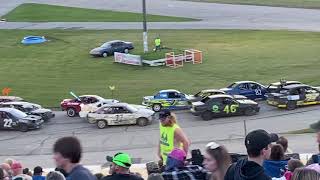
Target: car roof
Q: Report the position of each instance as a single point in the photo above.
(11, 97)
(293, 86)
(168, 90)
(114, 41)
(17, 103)
(220, 96)
(240, 82)
(8, 109)
(286, 82)
(212, 90)
(116, 104)
(96, 96)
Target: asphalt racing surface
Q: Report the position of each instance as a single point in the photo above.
(35, 147)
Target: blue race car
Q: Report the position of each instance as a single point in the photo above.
(167, 99)
(250, 89)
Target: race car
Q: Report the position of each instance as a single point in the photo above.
(223, 105)
(295, 95)
(167, 99)
(277, 86)
(72, 106)
(250, 89)
(10, 98)
(14, 119)
(120, 114)
(208, 92)
(30, 109)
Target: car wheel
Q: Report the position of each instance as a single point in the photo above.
(156, 107)
(105, 54)
(291, 105)
(142, 121)
(207, 115)
(126, 51)
(23, 127)
(102, 124)
(71, 112)
(249, 111)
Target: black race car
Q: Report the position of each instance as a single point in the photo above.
(30, 109)
(295, 95)
(223, 105)
(11, 118)
(109, 48)
(278, 86)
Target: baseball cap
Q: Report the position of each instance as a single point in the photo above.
(120, 159)
(178, 154)
(16, 165)
(37, 170)
(259, 139)
(164, 113)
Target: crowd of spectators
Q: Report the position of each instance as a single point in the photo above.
(268, 157)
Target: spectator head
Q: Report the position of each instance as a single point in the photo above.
(283, 142)
(304, 174)
(98, 176)
(67, 150)
(293, 164)
(258, 144)
(16, 168)
(277, 153)
(62, 171)
(155, 176)
(120, 163)
(6, 167)
(37, 171)
(216, 158)
(27, 171)
(9, 161)
(55, 175)
(167, 118)
(176, 159)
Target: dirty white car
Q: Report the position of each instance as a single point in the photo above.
(121, 114)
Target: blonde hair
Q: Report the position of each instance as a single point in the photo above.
(304, 174)
(9, 161)
(173, 118)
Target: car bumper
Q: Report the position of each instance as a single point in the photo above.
(276, 104)
(36, 125)
(95, 53)
(195, 113)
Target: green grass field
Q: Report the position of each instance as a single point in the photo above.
(310, 4)
(46, 73)
(49, 13)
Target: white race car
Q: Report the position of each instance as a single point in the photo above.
(121, 114)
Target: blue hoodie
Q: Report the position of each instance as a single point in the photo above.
(275, 168)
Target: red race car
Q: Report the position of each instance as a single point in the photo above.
(72, 106)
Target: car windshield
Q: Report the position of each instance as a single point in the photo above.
(30, 108)
(105, 45)
(205, 100)
(18, 113)
(233, 85)
(132, 109)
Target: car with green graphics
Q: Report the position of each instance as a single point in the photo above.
(167, 99)
(223, 105)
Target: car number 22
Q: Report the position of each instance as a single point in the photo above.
(7, 123)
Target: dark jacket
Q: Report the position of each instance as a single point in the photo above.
(80, 173)
(122, 177)
(275, 168)
(246, 170)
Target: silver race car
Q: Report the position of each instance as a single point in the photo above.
(120, 114)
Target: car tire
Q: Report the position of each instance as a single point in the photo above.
(101, 124)
(105, 54)
(142, 121)
(156, 107)
(126, 51)
(23, 128)
(250, 111)
(291, 105)
(71, 112)
(207, 115)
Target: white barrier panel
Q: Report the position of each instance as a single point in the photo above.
(127, 59)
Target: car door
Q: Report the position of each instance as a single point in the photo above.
(216, 107)
(174, 98)
(108, 114)
(127, 116)
(230, 107)
(311, 94)
(245, 90)
(116, 47)
(256, 90)
(6, 121)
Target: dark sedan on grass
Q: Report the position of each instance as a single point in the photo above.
(109, 48)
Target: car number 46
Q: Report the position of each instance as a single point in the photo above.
(230, 109)
(7, 123)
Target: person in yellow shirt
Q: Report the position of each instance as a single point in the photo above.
(157, 43)
(171, 135)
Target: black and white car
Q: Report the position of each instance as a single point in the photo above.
(30, 109)
(14, 119)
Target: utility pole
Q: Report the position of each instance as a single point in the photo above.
(145, 33)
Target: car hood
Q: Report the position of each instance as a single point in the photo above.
(247, 101)
(31, 118)
(138, 106)
(226, 89)
(198, 103)
(98, 49)
(239, 97)
(109, 101)
(41, 110)
(148, 98)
